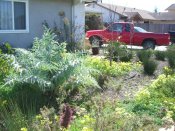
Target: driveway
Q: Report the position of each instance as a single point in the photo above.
(160, 48)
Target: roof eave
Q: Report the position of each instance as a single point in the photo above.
(89, 1)
(112, 10)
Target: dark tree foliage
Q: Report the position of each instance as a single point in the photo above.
(93, 22)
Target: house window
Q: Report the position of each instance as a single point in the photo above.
(13, 16)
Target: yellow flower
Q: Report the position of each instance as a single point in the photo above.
(38, 117)
(87, 129)
(57, 118)
(119, 111)
(82, 121)
(24, 129)
(169, 114)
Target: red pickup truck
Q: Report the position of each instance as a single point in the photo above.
(128, 34)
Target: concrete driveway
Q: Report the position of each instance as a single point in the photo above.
(160, 48)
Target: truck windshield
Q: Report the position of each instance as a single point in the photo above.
(138, 29)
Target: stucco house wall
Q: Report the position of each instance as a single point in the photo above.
(46, 10)
(78, 21)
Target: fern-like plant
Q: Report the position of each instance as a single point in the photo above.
(5, 66)
(49, 67)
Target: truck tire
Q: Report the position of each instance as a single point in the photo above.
(95, 41)
(149, 44)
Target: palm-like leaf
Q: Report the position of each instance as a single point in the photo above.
(49, 66)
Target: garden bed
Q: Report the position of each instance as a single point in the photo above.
(48, 88)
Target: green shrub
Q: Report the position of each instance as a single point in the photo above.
(168, 71)
(126, 57)
(118, 51)
(165, 85)
(117, 69)
(157, 100)
(113, 49)
(6, 67)
(144, 55)
(73, 47)
(160, 55)
(48, 65)
(171, 56)
(152, 108)
(149, 66)
(52, 71)
(6, 48)
(93, 22)
(46, 120)
(111, 115)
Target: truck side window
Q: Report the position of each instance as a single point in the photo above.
(127, 27)
(117, 27)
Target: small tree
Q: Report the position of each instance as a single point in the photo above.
(93, 22)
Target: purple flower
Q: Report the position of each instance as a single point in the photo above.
(66, 116)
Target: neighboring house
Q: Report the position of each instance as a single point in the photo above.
(129, 14)
(21, 20)
(90, 10)
(115, 13)
(107, 14)
(165, 17)
(120, 13)
(171, 8)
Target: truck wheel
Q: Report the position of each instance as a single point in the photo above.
(95, 41)
(149, 44)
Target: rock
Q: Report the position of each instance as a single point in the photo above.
(167, 129)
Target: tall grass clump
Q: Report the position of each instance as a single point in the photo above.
(160, 55)
(149, 66)
(171, 56)
(144, 55)
(11, 116)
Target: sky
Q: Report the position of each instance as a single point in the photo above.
(149, 5)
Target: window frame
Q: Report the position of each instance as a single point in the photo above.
(13, 23)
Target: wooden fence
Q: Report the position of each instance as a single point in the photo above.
(157, 28)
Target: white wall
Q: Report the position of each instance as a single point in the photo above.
(78, 21)
(107, 15)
